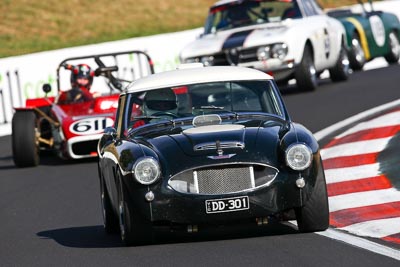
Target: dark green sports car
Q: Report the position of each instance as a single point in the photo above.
(370, 34)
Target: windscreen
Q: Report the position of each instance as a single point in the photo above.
(203, 98)
(250, 13)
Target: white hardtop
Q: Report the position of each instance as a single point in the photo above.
(188, 76)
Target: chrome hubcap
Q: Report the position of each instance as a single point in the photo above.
(358, 51)
(345, 62)
(394, 44)
(313, 73)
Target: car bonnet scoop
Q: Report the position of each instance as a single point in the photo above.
(210, 123)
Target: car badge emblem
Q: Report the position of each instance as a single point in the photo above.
(220, 152)
(227, 156)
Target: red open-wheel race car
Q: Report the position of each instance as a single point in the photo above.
(72, 125)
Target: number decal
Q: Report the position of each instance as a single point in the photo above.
(90, 125)
(327, 43)
(378, 30)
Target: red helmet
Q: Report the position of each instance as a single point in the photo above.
(82, 76)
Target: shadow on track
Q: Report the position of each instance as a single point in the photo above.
(95, 236)
(82, 237)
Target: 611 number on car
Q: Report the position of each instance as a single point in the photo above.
(90, 125)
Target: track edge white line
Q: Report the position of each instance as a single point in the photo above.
(361, 243)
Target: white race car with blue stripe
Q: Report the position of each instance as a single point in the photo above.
(286, 38)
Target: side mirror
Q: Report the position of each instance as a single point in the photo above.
(46, 88)
(109, 135)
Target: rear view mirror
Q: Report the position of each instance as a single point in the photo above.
(46, 88)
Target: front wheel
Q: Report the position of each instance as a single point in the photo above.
(394, 53)
(25, 145)
(356, 53)
(134, 230)
(314, 215)
(110, 220)
(306, 74)
(341, 70)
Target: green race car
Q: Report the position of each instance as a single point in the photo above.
(370, 34)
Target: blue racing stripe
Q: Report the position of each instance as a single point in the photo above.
(235, 40)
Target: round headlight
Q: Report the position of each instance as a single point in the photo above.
(298, 157)
(279, 51)
(207, 61)
(263, 53)
(146, 170)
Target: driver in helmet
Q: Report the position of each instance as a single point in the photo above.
(81, 81)
(160, 103)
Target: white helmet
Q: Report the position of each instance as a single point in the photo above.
(160, 101)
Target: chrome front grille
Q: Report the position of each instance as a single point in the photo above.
(226, 180)
(223, 179)
(248, 55)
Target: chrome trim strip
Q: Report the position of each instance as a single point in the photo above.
(226, 164)
(224, 145)
(196, 182)
(252, 179)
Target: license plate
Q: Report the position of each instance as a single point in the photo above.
(227, 204)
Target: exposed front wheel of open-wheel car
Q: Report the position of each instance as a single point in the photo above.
(394, 54)
(24, 140)
(133, 229)
(110, 219)
(314, 215)
(340, 72)
(356, 53)
(306, 74)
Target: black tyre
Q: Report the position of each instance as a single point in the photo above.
(110, 219)
(306, 74)
(314, 215)
(356, 53)
(134, 230)
(341, 70)
(25, 145)
(394, 54)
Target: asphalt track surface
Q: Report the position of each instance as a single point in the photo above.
(50, 215)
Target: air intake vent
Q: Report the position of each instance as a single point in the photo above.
(213, 145)
(223, 179)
